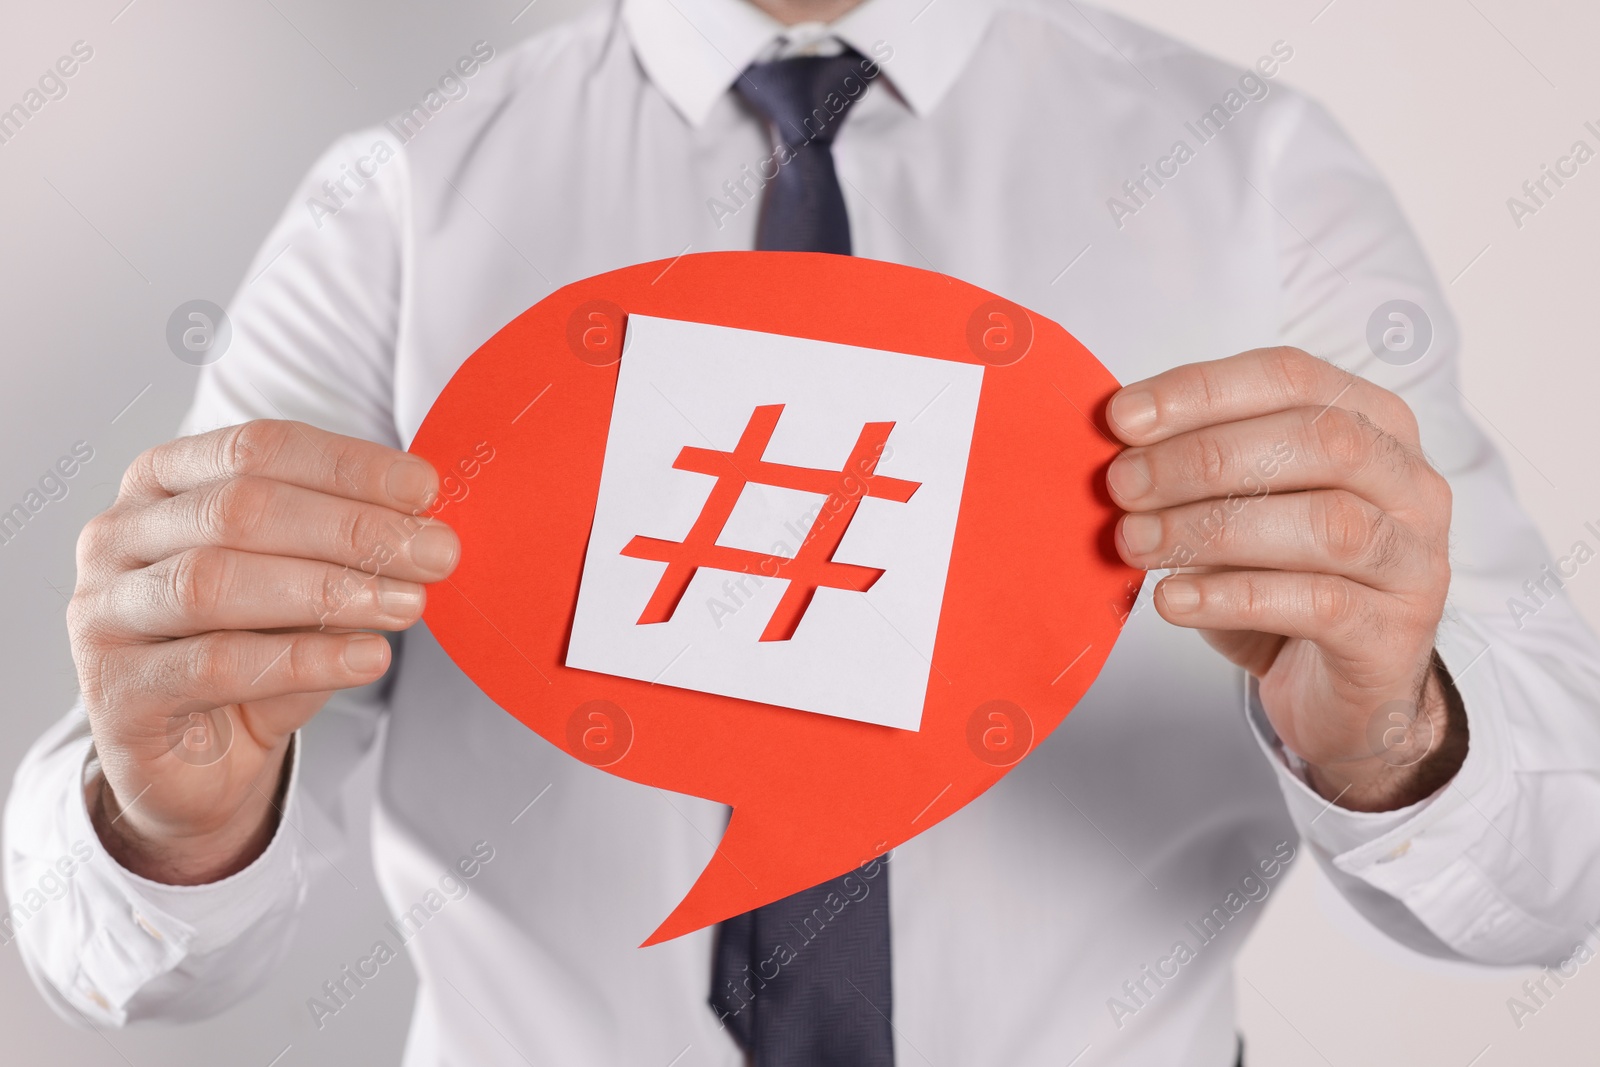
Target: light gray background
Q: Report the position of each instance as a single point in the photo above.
(153, 180)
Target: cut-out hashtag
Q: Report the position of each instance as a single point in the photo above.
(812, 566)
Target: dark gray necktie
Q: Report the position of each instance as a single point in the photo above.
(804, 981)
(805, 101)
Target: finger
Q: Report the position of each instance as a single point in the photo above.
(1247, 386)
(236, 666)
(1331, 531)
(1328, 610)
(290, 452)
(274, 518)
(211, 588)
(1301, 448)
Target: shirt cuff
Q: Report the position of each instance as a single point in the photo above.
(155, 926)
(1421, 854)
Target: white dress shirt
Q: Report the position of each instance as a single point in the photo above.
(1046, 917)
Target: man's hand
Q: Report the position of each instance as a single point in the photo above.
(213, 616)
(1313, 541)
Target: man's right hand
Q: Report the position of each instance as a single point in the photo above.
(213, 616)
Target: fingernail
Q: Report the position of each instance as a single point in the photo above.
(364, 653)
(1129, 476)
(410, 480)
(434, 548)
(400, 599)
(1134, 411)
(1141, 533)
(1179, 595)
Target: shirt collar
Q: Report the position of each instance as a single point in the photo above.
(693, 50)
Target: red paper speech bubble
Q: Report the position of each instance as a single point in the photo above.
(1034, 597)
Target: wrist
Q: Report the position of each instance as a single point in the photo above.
(176, 855)
(1412, 759)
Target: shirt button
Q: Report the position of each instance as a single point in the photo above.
(144, 924)
(1395, 853)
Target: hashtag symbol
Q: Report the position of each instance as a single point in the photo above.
(812, 566)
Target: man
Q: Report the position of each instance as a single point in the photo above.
(1350, 545)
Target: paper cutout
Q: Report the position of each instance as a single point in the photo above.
(814, 565)
(1033, 594)
(756, 549)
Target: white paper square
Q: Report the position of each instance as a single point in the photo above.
(855, 655)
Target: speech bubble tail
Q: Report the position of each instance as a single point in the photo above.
(766, 854)
(675, 926)
(722, 890)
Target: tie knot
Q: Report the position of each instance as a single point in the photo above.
(805, 98)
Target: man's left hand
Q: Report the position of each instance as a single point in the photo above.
(1311, 538)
